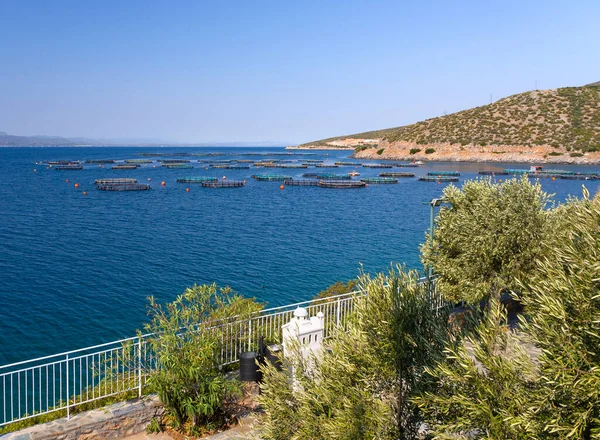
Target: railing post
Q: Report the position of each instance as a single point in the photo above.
(249, 334)
(139, 366)
(338, 312)
(68, 408)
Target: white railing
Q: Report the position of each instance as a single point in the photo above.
(63, 381)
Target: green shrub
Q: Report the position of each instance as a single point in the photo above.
(576, 154)
(555, 153)
(188, 377)
(380, 151)
(429, 151)
(415, 150)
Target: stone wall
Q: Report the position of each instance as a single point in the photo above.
(112, 422)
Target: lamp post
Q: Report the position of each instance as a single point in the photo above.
(432, 205)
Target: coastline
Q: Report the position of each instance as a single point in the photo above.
(444, 152)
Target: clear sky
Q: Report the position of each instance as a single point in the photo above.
(290, 71)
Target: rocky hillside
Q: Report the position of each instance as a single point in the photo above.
(562, 122)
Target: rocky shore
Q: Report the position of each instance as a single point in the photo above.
(444, 152)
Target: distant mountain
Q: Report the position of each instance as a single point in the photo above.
(566, 119)
(7, 140)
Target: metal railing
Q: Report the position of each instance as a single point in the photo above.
(63, 381)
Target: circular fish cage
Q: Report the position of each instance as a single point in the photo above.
(113, 181)
(438, 179)
(377, 165)
(123, 187)
(196, 179)
(341, 184)
(223, 184)
(379, 180)
(444, 173)
(125, 167)
(301, 182)
(393, 174)
(270, 177)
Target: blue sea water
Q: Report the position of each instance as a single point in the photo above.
(75, 270)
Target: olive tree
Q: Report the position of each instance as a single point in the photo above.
(485, 236)
(543, 381)
(360, 388)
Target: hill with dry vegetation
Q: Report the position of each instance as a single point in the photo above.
(558, 122)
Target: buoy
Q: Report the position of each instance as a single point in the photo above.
(282, 187)
(554, 178)
(154, 166)
(67, 180)
(244, 182)
(34, 170)
(187, 190)
(439, 182)
(500, 180)
(163, 183)
(149, 179)
(76, 185)
(366, 185)
(224, 177)
(85, 193)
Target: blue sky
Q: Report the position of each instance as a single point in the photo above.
(196, 71)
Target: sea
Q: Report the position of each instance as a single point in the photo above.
(77, 264)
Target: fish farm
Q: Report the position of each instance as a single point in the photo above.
(376, 165)
(438, 179)
(230, 167)
(174, 161)
(493, 173)
(123, 187)
(350, 164)
(138, 161)
(99, 161)
(393, 174)
(177, 166)
(301, 182)
(327, 176)
(223, 184)
(325, 165)
(68, 167)
(341, 184)
(124, 167)
(114, 181)
(444, 173)
(379, 180)
(270, 177)
(407, 165)
(196, 179)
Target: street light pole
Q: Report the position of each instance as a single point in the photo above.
(432, 205)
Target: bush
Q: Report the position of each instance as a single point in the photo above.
(429, 151)
(338, 288)
(380, 151)
(576, 154)
(361, 387)
(188, 377)
(555, 153)
(415, 150)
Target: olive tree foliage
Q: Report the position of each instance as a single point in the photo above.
(485, 383)
(562, 301)
(485, 236)
(187, 342)
(492, 388)
(361, 386)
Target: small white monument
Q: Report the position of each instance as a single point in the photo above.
(307, 332)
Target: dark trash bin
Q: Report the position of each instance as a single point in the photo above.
(249, 367)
